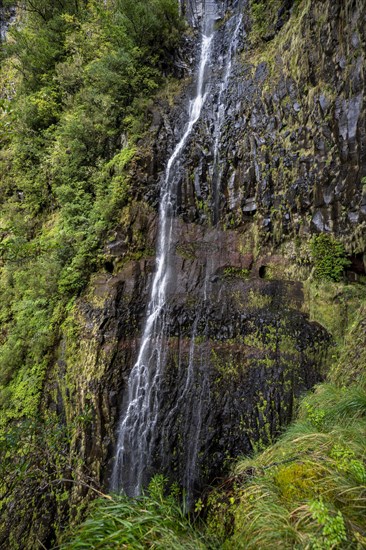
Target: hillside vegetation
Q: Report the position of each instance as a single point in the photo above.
(77, 79)
(75, 85)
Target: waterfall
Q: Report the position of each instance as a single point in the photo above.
(139, 417)
(216, 172)
(138, 430)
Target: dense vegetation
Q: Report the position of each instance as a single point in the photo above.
(76, 82)
(329, 257)
(308, 490)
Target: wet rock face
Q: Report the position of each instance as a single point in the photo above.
(239, 351)
(293, 141)
(194, 10)
(239, 347)
(249, 352)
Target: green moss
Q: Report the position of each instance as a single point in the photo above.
(226, 363)
(255, 339)
(355, 243)
(334, 305)
(350, 365)
(236, 273)
(297, 481)
(188, 251)
(264, 17)
(258, 300)
(329, 257)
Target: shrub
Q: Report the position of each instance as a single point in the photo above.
(329, 258)
(333, 531)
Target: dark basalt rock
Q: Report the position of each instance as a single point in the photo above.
(239, 352)
(281, 145)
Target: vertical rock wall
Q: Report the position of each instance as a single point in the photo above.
(293, 143)
(240, 347)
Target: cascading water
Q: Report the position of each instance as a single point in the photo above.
(236, 22)
(136, 431)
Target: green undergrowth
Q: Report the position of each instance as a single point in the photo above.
(37, 477)
(337, 307)
(352, 356)
(154, 520)
(309, 489)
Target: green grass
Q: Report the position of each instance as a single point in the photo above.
(155, 520)
(309, 489)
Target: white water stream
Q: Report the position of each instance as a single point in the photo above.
(139, 419)
(138, 424)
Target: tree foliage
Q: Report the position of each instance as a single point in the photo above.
(75, 81)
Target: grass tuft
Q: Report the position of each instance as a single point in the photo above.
(155, 520)
(309, 489)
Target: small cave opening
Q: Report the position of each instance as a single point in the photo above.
(356, 267)
(108, 266)
(262, 271)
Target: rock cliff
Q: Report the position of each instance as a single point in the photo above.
(236, 304)
(290, 163)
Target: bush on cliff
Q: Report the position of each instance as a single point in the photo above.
(308, 491)
(329, 257)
